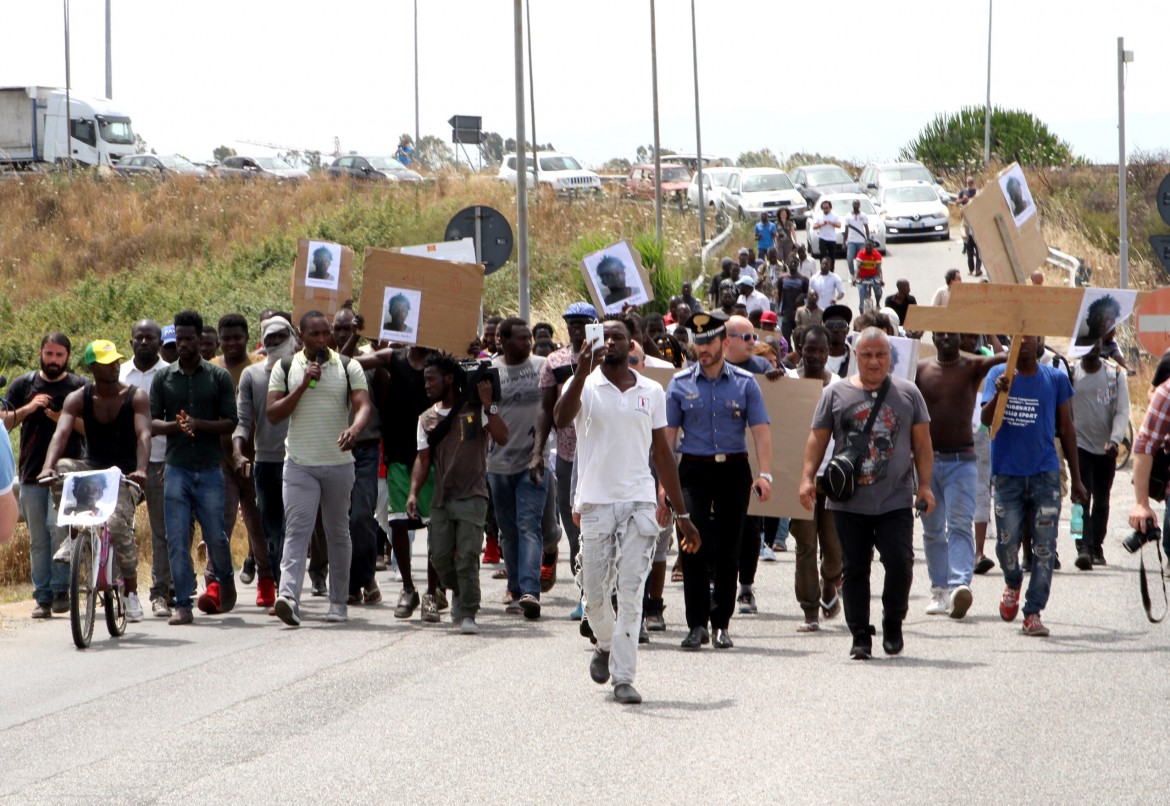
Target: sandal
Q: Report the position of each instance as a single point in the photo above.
(500, 573)
(676, 574)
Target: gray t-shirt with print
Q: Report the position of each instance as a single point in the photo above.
(886, 481)
(519, 407)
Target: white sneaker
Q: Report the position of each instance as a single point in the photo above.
(468, 627)
(134, 612)
(938, 602)
(65, 553)
(337, 614)
(766, 554)
(160, 608)
(960, 601)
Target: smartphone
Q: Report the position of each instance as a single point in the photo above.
(595, 336)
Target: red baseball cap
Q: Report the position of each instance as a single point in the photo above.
(768, 316)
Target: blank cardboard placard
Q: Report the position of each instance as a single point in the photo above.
(1025, 240)
(447, 305)
(307, 298)
(791, 403)
(1030, 310)
(622, 262)
(461, 251)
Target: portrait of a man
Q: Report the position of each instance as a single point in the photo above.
(1102, 310)
(88, 498)
(324, 265)
(400, 315)
(1014, 186)
(616, 278)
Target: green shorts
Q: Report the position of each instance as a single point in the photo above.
(398, 490)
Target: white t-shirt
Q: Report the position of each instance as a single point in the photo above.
(749, 271)
(831, 447)
(613, 440)
(942, 296)
(754, 301)
(824, 226)
(128, 373)
(855, 227)
(827, 287)
(809, 267)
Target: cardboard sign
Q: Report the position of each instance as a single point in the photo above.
(791, 403)
(322, 277)
(1029, 310)
(416, 300)
(1102, 309)
(461, 251)
(1007, 233)
(615, 278)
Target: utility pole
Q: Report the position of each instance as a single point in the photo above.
(532, 99)
(109, 55)
(698, 133)
(987, 107)
(416, 135)
(68, 102)
(521, 169)
(657, 148)
(1124, 57)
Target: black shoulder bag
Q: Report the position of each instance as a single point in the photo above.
(840, 477)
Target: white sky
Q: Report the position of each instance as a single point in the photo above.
(193, 75)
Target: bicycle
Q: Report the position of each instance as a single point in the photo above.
(869, 291)
(93, 568)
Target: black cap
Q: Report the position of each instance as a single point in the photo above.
(838, 312)
(705, 326)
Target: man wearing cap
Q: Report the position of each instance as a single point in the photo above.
(116, 422)
(827, 284)
(558, 368)
(749, 297)
(145, 342)
(714, 403)
(169, 348)
(836, 320)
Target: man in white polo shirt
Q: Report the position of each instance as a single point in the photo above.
(620, 419)
(314, 390)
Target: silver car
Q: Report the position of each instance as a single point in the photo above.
(913, 210)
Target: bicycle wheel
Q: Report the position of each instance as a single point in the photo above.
(115, 604)
(82, 592)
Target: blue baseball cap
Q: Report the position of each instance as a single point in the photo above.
(580, 310)
(168, 334)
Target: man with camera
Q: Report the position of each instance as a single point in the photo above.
(1151, 440)
(878, 423)
(36, 400)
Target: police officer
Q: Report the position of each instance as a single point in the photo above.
(714, 403)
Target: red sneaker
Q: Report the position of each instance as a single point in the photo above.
(548, 577)
(491, 551)
(265, 593)
(1009, 606)
(209, 601)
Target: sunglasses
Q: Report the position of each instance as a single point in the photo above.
(744, 336)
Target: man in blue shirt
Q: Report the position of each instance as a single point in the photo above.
(8, 505)
(714, 404)
(1025, 472)
(765, 234)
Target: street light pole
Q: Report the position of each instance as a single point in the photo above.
(68, 102)
(1123, 58)
(698, 134)
(416, 133)
(987, 107)
(657, 145)
(521, 168)
(109, 55)
(532, 98)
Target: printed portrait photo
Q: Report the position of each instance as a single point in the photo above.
(1102, 309)
(89, 498)
(613, 272)
(400, 308)
(1019, 198)
(324, 265)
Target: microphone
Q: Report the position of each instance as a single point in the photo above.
(322, 357)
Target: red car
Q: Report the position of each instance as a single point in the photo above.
(675, 181)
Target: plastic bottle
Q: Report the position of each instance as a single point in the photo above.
(1077, 522)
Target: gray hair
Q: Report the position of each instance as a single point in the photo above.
(871, 334)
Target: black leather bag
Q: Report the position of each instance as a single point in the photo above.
(840, 477)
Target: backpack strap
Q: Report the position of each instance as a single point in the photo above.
(286, 365)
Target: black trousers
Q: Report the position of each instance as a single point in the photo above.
(1097, 472)
(891, 533)
(749, 550)
(717, 500)
(828, 250)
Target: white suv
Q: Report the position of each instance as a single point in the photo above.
(748, 192)
(560, 172)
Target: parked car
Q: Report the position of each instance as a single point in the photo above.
(354, 166)
(842, 205)
(159, 165)
(675, 181)
(913, 210)
(748, 192)
(561, 172)
(259, 168)
(876, 176)
(815, 180)
(713, 179)
(691, 161)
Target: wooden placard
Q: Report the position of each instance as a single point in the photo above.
(444, 299)
(998, 240)
(326, 294)
(791, 403)
(624, 261)
(1030, 310)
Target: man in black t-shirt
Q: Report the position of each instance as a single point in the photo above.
(36, 400)
(900, 303)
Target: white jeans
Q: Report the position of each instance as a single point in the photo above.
(617, 547)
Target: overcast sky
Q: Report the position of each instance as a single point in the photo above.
(856, 83)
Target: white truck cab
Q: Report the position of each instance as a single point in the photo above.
(34, 127)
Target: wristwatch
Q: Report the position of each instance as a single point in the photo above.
(493, 409)
(766, 477)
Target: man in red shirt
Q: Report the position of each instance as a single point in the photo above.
(869, 275)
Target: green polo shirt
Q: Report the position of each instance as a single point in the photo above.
(205, 394)
(322, 413)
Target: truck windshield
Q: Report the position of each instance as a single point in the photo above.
(115, 130)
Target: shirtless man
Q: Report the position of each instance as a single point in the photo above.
(949, 383)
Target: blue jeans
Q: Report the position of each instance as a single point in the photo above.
(851, 250)
(519, 508)
(198, 492)
(48, 577)
(948, 536)
(1033, 500)
(269, 480)
(363, 531)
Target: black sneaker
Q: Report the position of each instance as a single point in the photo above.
(1098, 555)
(652, 612)
(1084, 559)
(248, 570)
(599, 666)
(892, 642)
(643, 636)
(319, 588)
(530, 605)
(983, 565)
(61, 602)
(862, 648)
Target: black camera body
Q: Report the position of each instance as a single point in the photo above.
(477, 370)
(1135, 541)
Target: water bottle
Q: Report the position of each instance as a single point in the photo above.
(1077, 522)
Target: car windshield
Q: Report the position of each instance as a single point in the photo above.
(561, 163)
(672, 173)
(759, 183)
(908, 173)
(115, 130)
(715, 178)
(827, 176)
(272, 163)
(385, 163)
(845, 206)
(917, 193)
(174, 161)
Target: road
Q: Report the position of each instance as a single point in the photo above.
(239, 708)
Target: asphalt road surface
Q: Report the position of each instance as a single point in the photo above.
(239, 708)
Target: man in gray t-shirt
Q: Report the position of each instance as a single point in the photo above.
(878, 514)
(518, 496)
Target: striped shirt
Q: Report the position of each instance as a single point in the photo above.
(322, 412)
(1155, 430)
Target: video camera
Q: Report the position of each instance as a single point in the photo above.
(476, 370)
(1135, 541)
